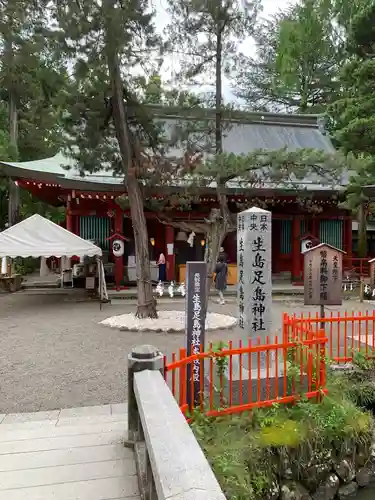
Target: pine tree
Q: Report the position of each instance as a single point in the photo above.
(299, 54)
(105, 123)
(31, 81)
(206, 31)
(353, 114)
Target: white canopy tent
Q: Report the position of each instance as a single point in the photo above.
(39, 237)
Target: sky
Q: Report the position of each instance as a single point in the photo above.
(171, 64)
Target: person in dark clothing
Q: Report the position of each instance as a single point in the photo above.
(223, 255)
(221, 271)
(162, 268)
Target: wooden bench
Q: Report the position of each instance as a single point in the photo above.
(11, 283)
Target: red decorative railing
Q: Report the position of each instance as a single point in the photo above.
(231, 379)
(347, 333)
(356, 266)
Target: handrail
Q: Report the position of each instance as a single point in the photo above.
(176, 466)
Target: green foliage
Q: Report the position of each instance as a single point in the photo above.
(353, 113)
(248, 451)
(359, 384)
(30, 205)
(91, 33)
(362, 361)
(25, 266)
(153, 90)
(220, 361)
(286, 73)
(206, 33)
(32, 72)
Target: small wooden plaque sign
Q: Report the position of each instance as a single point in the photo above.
(323, 275)
(372, 272)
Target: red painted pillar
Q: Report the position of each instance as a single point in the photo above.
(296, 249)
(170, 259)
(119, 261)
(69, 217)
(77, 225)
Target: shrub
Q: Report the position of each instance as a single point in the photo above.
(248, 452)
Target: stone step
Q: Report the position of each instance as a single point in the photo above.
(74, 453)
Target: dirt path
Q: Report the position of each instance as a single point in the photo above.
(54, 354)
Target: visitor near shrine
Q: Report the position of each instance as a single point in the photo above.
(221, 278)
(162, 268)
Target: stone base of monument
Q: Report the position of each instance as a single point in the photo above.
(253, 386)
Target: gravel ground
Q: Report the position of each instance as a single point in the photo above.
(54, 354)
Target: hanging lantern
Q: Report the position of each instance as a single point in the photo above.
(203, 242)
(152, 241)
(181, 236)
(118, 248)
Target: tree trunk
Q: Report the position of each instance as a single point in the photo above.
(146, 302)
(14, 192)
(218, 94)
(214, 238)
(219, 218)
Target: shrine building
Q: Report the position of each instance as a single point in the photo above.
(93, 214)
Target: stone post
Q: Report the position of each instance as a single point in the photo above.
(143, 357)
(4, 265)
(44, 271)
(254, 262)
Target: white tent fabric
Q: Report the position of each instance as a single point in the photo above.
(39, 237)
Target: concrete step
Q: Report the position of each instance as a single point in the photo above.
(74, 453)
(27, 285)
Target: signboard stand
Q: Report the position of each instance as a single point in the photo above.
(322, 315)
(254, 306)
(254, 294)
(195, 307)
(323, 277)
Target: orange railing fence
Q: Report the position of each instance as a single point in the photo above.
(234, 379)
(356, 265)
(347, 333)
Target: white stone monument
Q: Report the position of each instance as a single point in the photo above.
(254, 264)
(4, 265)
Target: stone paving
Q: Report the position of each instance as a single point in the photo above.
(54, 354)
(69, 454)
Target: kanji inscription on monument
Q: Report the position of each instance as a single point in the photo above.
(196, 299)
(254, 294)
(323, 275)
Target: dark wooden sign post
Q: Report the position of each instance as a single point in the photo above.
(372, 273)
(323, 277)
(196, 301)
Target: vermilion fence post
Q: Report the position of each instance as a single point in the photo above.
(322, 361)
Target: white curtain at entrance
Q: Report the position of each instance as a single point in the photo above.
(4, 265)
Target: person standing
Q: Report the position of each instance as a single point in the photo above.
(223, 254)
(221, 271)
(162, 268)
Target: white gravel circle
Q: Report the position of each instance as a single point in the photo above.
(168, 321)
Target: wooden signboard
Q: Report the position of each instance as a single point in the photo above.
(195, 305)
(323, 276)
(372, 272)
